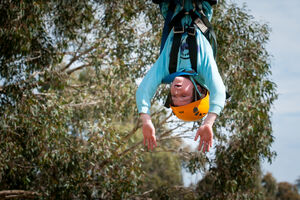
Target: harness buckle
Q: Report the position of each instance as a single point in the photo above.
(200, 24)
(191, 31)
(178, 29)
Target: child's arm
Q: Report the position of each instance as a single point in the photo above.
(149, 85)
(152, 80)
(146, 91)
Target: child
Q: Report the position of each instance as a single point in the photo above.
(187, 62)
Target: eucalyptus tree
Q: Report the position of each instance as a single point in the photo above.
(68, 119)
(68, 71)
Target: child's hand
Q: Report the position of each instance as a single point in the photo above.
(148, 131)
(206, 133)
(206, 137)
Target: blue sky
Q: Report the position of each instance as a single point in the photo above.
(283, 17)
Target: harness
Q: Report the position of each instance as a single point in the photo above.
(199, 21)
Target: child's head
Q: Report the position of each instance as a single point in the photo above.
(185, 102)
(182, 91)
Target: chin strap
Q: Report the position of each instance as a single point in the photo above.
(195, 85)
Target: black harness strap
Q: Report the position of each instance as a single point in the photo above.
(200, 22)
(192, 45)
(177, 18)
(178, 31)
(204, 25)
(174, 52)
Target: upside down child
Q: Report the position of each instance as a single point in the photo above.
(187, 63)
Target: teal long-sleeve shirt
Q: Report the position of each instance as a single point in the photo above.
(207, 71)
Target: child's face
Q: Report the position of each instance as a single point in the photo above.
(182, 90)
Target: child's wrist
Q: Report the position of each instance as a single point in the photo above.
(144, 117)
(210, 119)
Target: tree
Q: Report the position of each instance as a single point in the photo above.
(162, 168)
(270, 185)
(287, 191)
(298, 183)
(66, 81)
(68, 116)
(280, 191)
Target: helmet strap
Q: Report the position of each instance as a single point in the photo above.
(195, 85)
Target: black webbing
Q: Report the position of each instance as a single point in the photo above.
(193, 48)
(175, 47)
(192, 45)
(174, 21)
(202, 23)
(203, 20)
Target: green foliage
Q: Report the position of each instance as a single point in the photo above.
(162, 169)
(38, 153)
(287, 191)
(166, 192)
(67, 83)
(68, 118)
(298, 183)
(280, 191)
(270, 185)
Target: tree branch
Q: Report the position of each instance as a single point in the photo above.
(170, 130)
(142, 195)
(9, 194)
(173, 137)
(107, 161)
(78, 56)
(136, 127)
(130, 149)
(78, 68)
(84, 104)
(32, 58)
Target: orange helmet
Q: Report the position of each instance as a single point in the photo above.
(192, 111)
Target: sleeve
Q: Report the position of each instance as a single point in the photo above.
(208, 70)
(208, 11)
(153, 79)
